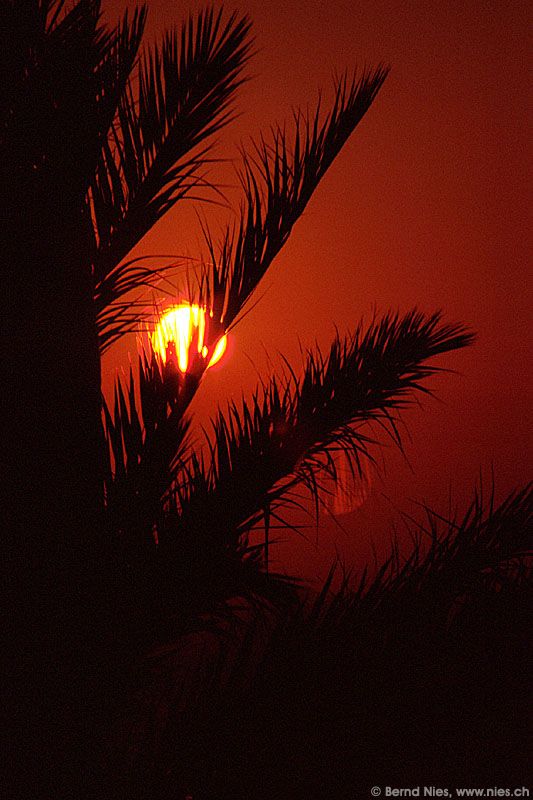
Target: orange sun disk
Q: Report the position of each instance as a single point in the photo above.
(180, 326)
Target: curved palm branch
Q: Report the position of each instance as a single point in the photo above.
(486, 548)
(156, 151)
(198, 510)
(289, 182)
(286, 434)
(146, 437)
(402, 634)
(279, 179)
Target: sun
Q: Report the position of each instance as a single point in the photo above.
(181, 328)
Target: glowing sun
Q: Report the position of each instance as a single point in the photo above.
(182, 328)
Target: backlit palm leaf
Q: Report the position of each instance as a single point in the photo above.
(285, 434)
(157, 149)
(327, 689)
(279, 180)
(146, 433)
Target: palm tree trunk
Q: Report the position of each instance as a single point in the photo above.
(53, 539)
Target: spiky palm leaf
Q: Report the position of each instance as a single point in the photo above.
(283, 437)
(279, 179)
(202, 508)
(402, 671)
(143, 446)
(452, 560)
(137, 143)
(289, 181)
(158, 145)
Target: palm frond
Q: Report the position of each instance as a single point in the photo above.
(157, 146)
(146, 435)
(452, 560)
(147, 438)
(286, 434)
(119, 306)
(382, 674)
(278, 179)
(202, 509)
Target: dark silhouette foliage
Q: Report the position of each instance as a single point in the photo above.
(417, 675)
(120, 537)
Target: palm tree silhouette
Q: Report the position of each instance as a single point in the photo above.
(117, 533)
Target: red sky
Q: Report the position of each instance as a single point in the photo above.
(426, 205)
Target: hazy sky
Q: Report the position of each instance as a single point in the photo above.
(426, 205)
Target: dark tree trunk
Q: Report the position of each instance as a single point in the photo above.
(54, 558)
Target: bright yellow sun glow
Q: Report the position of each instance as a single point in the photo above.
(184, 326)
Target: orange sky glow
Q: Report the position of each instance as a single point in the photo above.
(427, 205)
